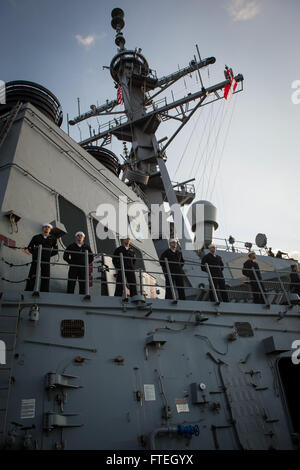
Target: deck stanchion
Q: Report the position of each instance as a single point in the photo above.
(212, 284)
(170, 279)
(261, 289)
(87, 281)
(36, 290)
(123, 276)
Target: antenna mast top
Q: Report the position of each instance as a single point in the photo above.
(118, 24)
(135, 61)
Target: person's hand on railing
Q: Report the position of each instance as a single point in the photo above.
(25, 250)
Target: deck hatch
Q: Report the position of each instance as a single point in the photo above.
(244, 329)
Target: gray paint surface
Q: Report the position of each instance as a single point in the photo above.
(105, 403)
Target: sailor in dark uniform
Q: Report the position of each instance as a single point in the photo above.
(50, 248)
(295, 280)
(175, 262)
(76, 261)
(248, 272)
(216, 266)
(129, 266)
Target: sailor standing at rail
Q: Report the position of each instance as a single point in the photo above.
(50, 248)
(248, 272)
(129, 259)
(74, 255)
(176, 262)
(295, 279)
(216, 266)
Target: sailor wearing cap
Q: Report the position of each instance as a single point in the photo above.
(129, 258)
(74, 255)
(50, 248)
(216, 266)
(176, 262)
(248, 272)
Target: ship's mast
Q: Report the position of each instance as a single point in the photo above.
(146, 166)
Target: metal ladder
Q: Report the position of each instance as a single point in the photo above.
(106, 140)
(8, 333)
(9, 122)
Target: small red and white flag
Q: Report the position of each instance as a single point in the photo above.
(120, 95)
(229, 89)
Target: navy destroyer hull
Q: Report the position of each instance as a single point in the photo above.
(101, 373)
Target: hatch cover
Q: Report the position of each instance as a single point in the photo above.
(248, 408)
(244, 329)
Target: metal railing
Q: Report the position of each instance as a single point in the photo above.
(112, 124)
(183, 187)
(265, 287)
(239, 246)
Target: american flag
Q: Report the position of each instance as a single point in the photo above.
(229, 89)
(119, 95)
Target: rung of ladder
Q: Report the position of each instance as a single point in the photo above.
(8, 332)
(3, 388)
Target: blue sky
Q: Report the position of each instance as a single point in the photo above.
(245, 154)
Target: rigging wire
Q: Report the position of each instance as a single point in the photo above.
(192, 132)
(225, 140)
(198, 147)
(188, 142)
(214, 149)
(209, 152)
(181, 159)
(205, 152)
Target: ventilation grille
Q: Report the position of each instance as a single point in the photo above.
(72, 328)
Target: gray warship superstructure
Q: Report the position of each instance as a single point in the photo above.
(96, 371)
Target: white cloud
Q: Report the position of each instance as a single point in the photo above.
(295, 255)
(244, 10)
(89, 40)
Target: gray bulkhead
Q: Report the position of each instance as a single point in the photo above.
(44, 163)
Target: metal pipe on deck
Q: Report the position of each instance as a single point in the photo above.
(169, 429)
